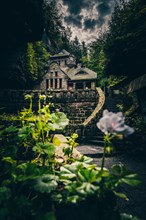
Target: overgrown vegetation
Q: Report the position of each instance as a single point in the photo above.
(34, 184)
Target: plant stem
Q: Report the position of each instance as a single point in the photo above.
(103, 156)
(30, 107)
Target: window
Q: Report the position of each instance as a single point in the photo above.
(59, 62)
(51, 83)
(55, 83)
(60, 83)
(56, 74)
(88, 85)
(47, 83)
(70, 85)
(65, 62)
(79, 85)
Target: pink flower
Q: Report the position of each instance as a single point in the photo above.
(114, 123)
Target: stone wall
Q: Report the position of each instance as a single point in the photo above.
(77, 105)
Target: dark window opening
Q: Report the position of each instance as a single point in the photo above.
(70, 85)
(51, 83)
(59, 62)
(79, 86)
(56, 74)
(88, 85)
(65, 62)
(55, 83)
(82, 73)
(60, 83)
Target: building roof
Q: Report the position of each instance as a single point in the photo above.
(80, 73)
(137, 84)
(63, 53)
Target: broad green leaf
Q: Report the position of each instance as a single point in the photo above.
(67, 173)
(46, 183)
(131, 179)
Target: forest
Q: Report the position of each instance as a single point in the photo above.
(115, 54)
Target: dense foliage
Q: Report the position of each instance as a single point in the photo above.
(95, 59)
(125, 46)
(36, 62)
(36, 184)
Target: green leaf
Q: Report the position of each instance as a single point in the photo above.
(11, 129)
(67, 172)
(56, 141)
(59, 120)
(121, 195)
(131, 179)
(47, 148)
(73, 199)
(86, 160)
(9, 160)
(125, 216)
(46, 183)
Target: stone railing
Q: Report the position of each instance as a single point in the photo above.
(80, 106)
(99, 106)
(13, 99)
(55, 95)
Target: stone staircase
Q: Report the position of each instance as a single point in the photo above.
(95, 141)
(111, 104)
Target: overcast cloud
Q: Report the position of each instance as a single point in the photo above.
(87, 18)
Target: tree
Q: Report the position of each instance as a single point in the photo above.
(126, 43)
(53, 25)
(36, 62)
(31, 64)
(96, 59)
(42, 58)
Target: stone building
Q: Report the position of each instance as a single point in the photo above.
(64, 74)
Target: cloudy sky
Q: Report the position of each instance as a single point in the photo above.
(86, 18)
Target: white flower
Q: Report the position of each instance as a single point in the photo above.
(114, 123)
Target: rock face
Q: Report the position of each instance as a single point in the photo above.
(20, 22)
(61, 143)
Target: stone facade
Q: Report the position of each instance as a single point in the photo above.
(64, 74)
(54, 79)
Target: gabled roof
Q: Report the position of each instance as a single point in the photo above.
(81, 73)
(63, 53)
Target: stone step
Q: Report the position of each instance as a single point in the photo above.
(86, 149)
(97, 137)
(99, 143)
(92, 151)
